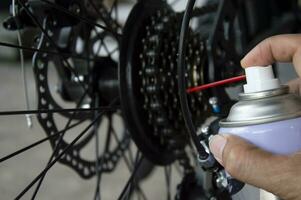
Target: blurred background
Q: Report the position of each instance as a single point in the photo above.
(61, 182)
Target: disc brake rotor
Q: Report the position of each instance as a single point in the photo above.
(84, 82)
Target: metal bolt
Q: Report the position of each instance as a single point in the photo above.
(209, 138)
(80, 78)
(50, 33)
(205, 130)
(221, 181)
(213, 101)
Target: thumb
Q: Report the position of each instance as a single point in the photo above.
(280, 48)
(250, 164)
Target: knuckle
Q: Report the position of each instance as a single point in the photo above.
(235, 161)
(265, 51)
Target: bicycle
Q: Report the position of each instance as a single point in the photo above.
(127, 79)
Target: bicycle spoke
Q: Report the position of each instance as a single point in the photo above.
(97, 189)
(131, 156)
(106, 47)
(50, 40)
(101, 17)
(114, 7)
(50, 111)
(113, 51)
(45, 51)
(62, 9)
(59, 156)
(137, 187)
(127, 162)
(57, 146)
(39, 142)
(167, 172)
(108, 135)
(126, 190)
(133, 184)
(64, 151)
(103, 44)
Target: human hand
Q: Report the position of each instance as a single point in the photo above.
(281, 48)
(280, 175)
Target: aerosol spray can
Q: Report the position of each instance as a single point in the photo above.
(267, 115)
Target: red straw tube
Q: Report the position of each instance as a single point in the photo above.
(216, 84)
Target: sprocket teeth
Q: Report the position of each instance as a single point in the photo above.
(159, 65)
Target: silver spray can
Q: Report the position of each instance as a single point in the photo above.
(267, 115)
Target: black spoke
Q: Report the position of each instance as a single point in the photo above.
(49, 111)
(114, 7)
(101, 17)
(115, 136)
(98, 49)
(46, 51)
(57, 146)
(56, 157)
(106, 48)
(31, 15)
(167, 172)
(62, 9)
(127, 162)
(67, 148)
(131, 155)
(59, 156)
(97, 163)
(102, 44)
(108, 135)
(133, 184)
(113, 51)
(127, 189)
(39, 142)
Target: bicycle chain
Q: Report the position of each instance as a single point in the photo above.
(159, 81)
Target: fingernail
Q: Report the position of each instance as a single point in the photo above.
(217, 144)
(242, 62)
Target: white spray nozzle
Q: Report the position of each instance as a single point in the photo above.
(260, 78)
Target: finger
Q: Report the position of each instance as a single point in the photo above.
(281, 48)
(295, 86)
(252, 165)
